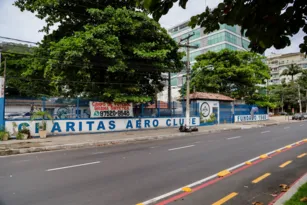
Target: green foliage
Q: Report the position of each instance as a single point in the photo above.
(233, 73)
(26, 131)
(4, 135)
(296, 198)
(19, 136)
(111, 52)
(19, 60)
(292, 70)
(265, 25)
(212, 118)
(42, 115)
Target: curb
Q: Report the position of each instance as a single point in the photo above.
(104, 142)
(121, 141)
(283, 197)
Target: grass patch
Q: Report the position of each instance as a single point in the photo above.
(295, 199)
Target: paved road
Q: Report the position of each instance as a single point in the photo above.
(130, 174)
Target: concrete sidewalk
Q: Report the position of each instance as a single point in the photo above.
(103, 139)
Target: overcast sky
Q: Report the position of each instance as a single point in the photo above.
(25, 26)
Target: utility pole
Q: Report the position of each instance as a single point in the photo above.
(299, 98)
(169, 91)
(187, 45)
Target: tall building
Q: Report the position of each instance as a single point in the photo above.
(279, 62)
(226, 37)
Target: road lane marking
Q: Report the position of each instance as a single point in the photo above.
(265, 131)
(236, 137)
(197, 185)
(226, 198)
(285, 164)
(181, 147)
(286, 127)
(72, 166)
(255, 181)
(302, 155)
(301, 125)
(197, 142)
(97, 153)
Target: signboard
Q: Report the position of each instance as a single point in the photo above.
(100, 125)
(205, 109)
(103, 109)
(249, 118)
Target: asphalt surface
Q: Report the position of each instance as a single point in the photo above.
(130, 174)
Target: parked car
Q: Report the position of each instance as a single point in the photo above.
(283, 113)
(299, 116)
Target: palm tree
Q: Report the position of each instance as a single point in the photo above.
(292, 70)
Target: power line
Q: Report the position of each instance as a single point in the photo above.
(19, 40)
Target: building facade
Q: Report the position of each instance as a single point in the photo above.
(226, 37)
(279, 62)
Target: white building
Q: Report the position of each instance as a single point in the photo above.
(279, 62)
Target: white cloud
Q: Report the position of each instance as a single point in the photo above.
(19, 25)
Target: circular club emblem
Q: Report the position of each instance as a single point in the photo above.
(205, 109)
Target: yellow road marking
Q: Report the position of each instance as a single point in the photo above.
(226, 198)
(186, 189)
(302, 155)
(261, 178)
(285, 164)
(223, 173)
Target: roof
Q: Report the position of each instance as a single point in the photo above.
(274, 56)
(209, 96)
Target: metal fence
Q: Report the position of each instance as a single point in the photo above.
(78, 108)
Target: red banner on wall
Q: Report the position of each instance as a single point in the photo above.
(104, 109)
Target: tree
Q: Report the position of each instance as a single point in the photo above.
(265, 25)
(18, 60)
(108, 53)
(234, 73)
(291, 70)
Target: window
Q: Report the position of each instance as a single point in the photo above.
(231, 38)
(196, 34)
(195, 43)
(230, 28)
(216, 38)
(245, 43)
(194, 55)
(217, 48)
(174, 81)
(230, 47)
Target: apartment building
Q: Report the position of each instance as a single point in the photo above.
(279, 62)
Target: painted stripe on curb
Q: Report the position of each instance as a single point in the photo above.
(276, 199)
(214, 178)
